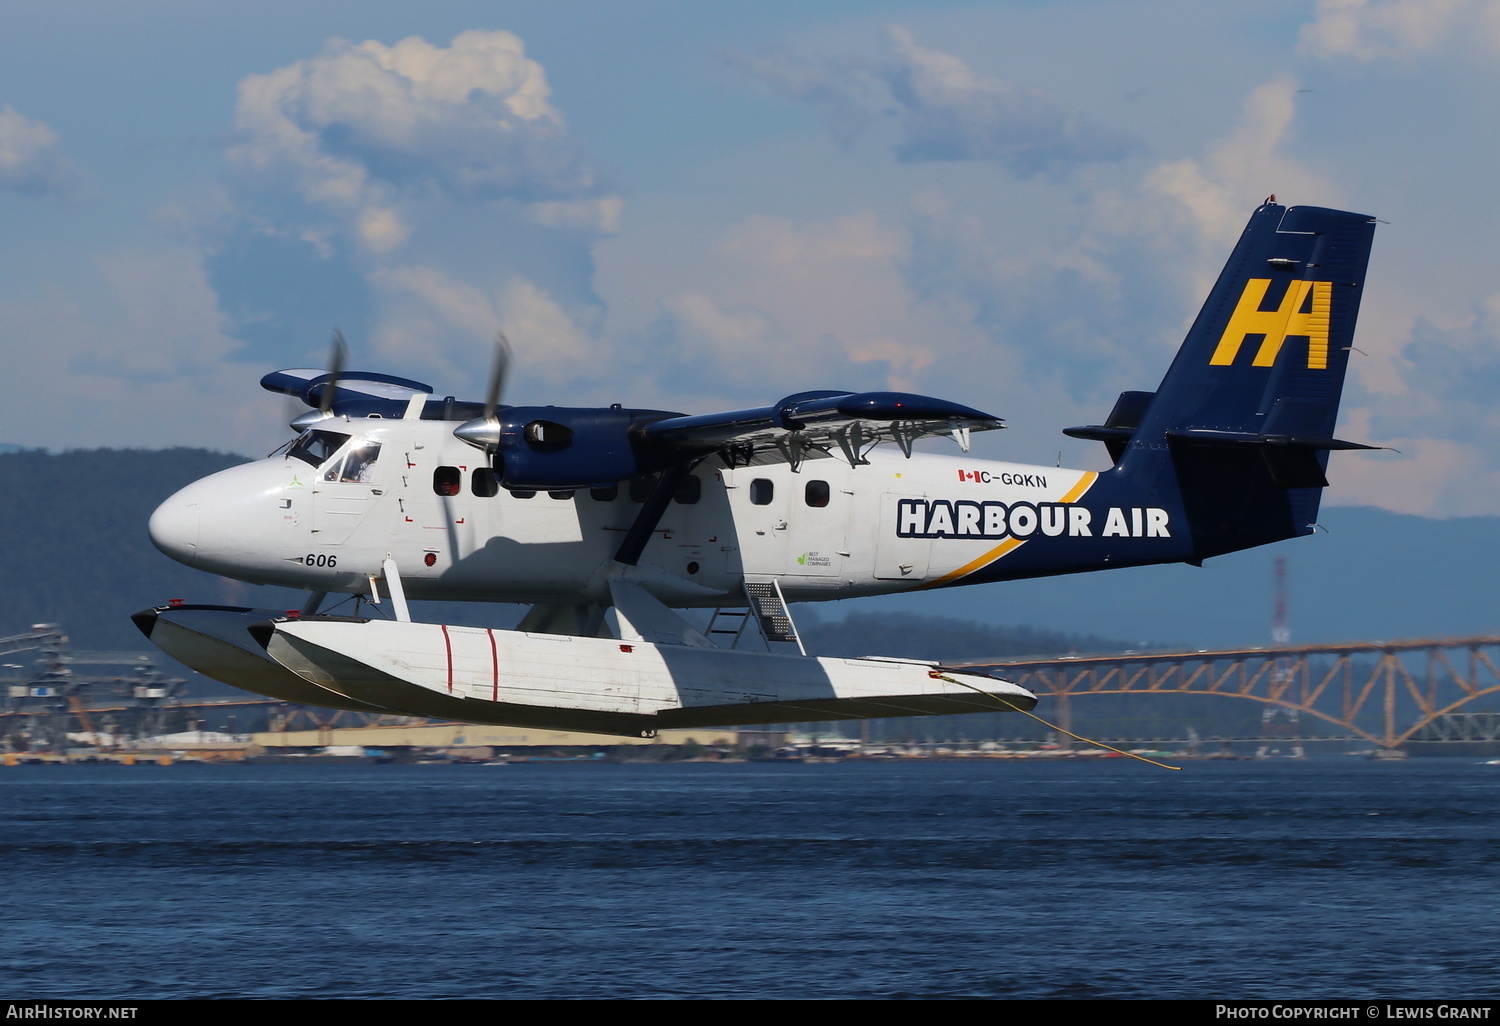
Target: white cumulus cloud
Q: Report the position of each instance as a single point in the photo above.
(403, 190)
(422, 308)
(472, 118)
(139, 343)
(363, 127)
(1368, 30)
(30, 159)
(1243, 168)
(784, 305)
(942, 108)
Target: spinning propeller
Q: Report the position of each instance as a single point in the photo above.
(338, 355)
(324, 387)
(483, 432)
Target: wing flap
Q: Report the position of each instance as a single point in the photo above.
(810, 425)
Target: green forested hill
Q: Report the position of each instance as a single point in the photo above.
(915, 636)
(75, 549)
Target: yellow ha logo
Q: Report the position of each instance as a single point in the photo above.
(1303, 311)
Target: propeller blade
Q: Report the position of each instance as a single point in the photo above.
(498, 372)
(337, 356)
(484, 432)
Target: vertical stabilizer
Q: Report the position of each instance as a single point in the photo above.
(1243, 422)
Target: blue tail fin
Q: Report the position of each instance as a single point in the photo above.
(1242, 424)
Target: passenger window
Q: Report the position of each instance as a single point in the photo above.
(642, 487)
(609, 493)
(689, 491)
(565, 495)
(816, 493)
(447, 480)
(522, 493)
(761, 491)
(484, 483)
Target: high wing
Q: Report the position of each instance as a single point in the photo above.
(811, 425)
(361, 394)
(309, 384)
(558, 447)
(573, 447)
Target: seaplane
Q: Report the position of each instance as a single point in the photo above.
(611, 522)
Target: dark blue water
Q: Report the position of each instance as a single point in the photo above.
(1327, 878)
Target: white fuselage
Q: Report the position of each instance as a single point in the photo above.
(826, 531)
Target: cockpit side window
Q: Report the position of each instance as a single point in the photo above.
(316, 446)
(358, 466)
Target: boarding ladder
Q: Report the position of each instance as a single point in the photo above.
(766, 609)
(729, 622)
(768, 606)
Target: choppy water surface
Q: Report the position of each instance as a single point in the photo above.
(1327, 878)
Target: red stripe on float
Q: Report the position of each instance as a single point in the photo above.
(448, 644)
(495, 668)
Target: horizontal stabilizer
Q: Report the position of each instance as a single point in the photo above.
(1291, 461)
(1119, 427)
(1207, 436)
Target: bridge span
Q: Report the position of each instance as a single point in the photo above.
(1383, 691)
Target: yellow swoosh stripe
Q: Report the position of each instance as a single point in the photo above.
(1084, 484)
(1009, 545)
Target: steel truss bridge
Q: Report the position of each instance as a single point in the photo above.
(1387, 692)
(1405, 687)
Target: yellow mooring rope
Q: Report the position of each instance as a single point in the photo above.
(1015, 708)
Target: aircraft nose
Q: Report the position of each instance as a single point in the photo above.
(174, 527)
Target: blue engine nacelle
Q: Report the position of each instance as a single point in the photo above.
(556, 447)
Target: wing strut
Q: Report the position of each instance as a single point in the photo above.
(650, 515)
(398, 593)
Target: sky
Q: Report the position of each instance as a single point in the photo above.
(1017, 206)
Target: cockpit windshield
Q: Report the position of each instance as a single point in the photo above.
(316, 446)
